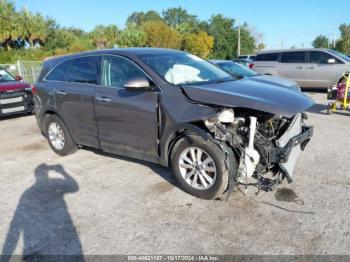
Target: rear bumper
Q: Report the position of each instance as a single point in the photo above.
(16, 103)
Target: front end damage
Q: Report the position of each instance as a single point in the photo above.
(266, 146)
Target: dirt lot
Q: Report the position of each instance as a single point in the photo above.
(89, 203)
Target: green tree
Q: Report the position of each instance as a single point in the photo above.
(139, 18)
(104, 36)
(343, 44)
(321, 41)
(33, 27)
(248, 42)
(180, 19)
(159, 34)
(57, 38)
(225, 44)
(132, 36)
(199, 44)
(9, 30)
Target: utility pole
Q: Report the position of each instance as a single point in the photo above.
(282, 44)
(334, 40)
(239, 39)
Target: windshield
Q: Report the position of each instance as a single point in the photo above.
(236, 69)
(5, 76)
(184, 68)
(340, 55)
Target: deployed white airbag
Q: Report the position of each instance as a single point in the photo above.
(182, 73)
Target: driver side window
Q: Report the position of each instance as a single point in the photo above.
(116, 71)
(317, 57)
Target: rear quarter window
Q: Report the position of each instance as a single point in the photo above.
(59, 73)
(267, 57)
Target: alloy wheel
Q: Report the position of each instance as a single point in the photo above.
(197, 168)
(56, 136)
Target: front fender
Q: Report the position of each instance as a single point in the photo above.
(173, 134)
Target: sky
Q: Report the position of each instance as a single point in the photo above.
(283, 23)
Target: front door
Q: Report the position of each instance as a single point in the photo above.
(127, 120)
(319, 72)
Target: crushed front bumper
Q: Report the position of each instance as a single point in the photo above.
(290, 144)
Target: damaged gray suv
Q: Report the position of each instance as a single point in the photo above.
(175, 109)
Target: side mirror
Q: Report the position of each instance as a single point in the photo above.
(18, 78)
(331, 61)
(137, 84)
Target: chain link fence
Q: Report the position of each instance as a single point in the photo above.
(28, 70)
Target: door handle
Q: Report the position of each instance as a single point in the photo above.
(61, 93)
(103, 99)
(299, 67)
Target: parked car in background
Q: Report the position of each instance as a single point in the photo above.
(239, 71)
(244, 62)
(15, 97)
(247, 57)
(313, 67)
(175, 109)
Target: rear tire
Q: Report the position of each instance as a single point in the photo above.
(58, 136)
(205, 174)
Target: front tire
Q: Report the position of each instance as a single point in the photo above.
(199, 167)
(58, 136)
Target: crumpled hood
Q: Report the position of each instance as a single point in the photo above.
(12, 85)
(249, 93)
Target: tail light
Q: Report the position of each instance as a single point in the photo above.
(251, 65)
(34, 89)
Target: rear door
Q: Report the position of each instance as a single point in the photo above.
(319, 72)
(127, 120)
(74, 82)
(293, 66)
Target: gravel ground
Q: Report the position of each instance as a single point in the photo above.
(90, 203)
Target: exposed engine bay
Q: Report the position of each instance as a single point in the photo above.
(266, 146)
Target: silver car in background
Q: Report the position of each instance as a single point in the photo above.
(313, 67)
(239, 71)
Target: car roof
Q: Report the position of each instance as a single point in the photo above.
(292, 50)
(121, 51)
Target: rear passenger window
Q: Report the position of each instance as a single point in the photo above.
(78, 70)
(267, 57)
(317, 57)
(83, 70)
(293, 57)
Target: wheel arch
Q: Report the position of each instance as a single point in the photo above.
(46, 113)
(174, 134)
